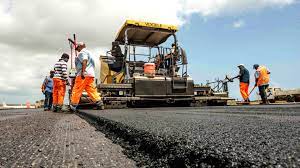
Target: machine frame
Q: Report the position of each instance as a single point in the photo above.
(133, 86)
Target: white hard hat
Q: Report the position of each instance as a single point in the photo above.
(79, 44)
(241, 65)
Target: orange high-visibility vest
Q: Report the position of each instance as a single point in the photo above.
(264, 76)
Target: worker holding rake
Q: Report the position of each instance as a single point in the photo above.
(262, 79)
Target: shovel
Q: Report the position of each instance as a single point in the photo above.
(251, 92)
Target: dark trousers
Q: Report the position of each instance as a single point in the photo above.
(262, 92)
(48, 100)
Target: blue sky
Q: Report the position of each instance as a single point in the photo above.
(270, 37)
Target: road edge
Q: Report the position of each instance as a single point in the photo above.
(154, 151)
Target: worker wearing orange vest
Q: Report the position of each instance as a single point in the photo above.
(47, 89)
(262, 79)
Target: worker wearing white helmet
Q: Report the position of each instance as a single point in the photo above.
(244, 77)
(85, 66)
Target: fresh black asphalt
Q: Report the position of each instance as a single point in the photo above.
(242, 136)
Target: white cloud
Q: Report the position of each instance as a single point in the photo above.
(33, 33)
(221, 7)
(238, 24)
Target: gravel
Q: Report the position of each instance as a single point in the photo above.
(34, 138)
(246, 136)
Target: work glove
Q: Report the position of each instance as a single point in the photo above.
(43, 91)
(83, 75)
(67, 83)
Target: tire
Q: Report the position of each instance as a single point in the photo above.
(272, 101)
(291, 98)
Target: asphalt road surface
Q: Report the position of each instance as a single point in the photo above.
(248, 136)
(34, 138)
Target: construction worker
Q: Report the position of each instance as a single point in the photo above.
(262, 79)
(60, 80)
(169, 62)
(47, 91)
(85, 67)
(244, 77)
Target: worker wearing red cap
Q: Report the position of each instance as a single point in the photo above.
(85, 66)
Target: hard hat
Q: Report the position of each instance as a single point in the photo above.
(255, 66)
(241, 65)
(79, 44)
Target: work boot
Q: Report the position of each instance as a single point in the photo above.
(73, 108)
(59, 109)
(264, 102)
(100, 105)
(54, 109)
(68, 110)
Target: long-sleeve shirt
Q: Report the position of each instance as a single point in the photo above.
(60, 70)
(244, 75)
(48, 83)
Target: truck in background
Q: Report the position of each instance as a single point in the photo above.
(279, 94)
